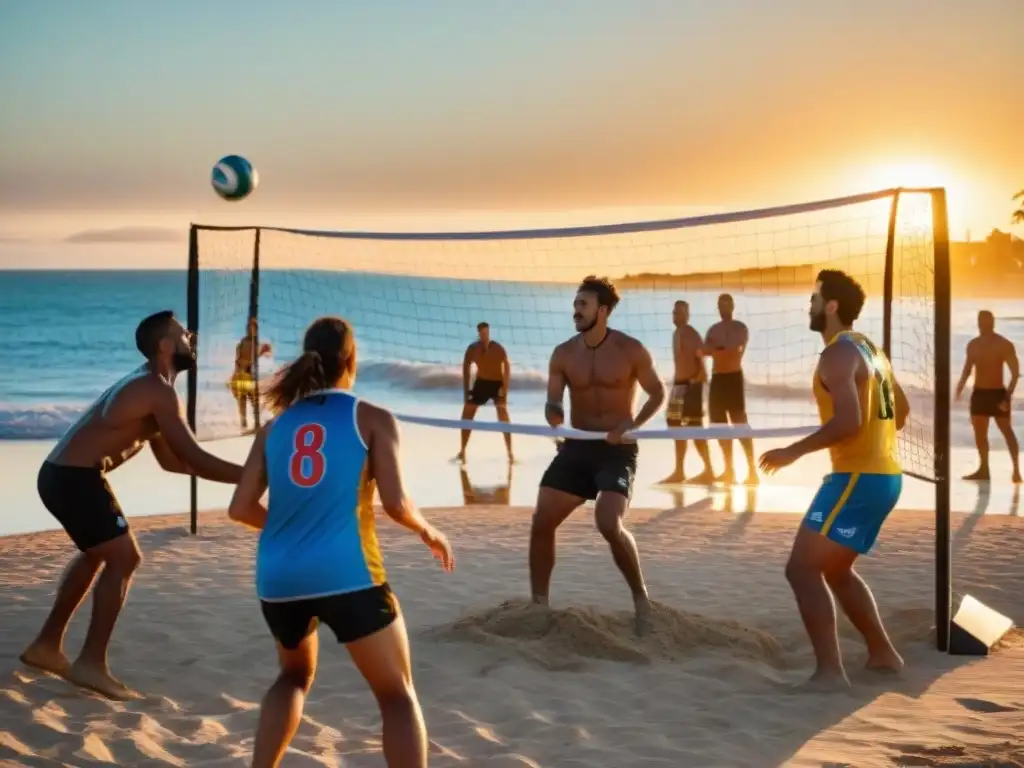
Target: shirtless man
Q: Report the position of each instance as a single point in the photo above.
(725, 343)
(243, 380)
(686, 403)
(602, 368)
(142, 407)
(987, 354)
(491, 383)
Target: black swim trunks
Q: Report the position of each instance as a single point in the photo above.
(351, 616)
(989, 402)
(727, 402)
(484, 390)
(83, 503)
(585, 468)
(686, 404)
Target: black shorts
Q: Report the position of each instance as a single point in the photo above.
(484, 390)
(686, 404)
(989, 402)
(350, 615)
(83, 503)
(585, 468)
(727, 402)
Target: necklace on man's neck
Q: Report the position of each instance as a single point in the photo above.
(592, 348)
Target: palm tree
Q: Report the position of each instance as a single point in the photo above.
(1017, 217)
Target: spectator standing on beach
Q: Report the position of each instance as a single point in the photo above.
(988, 354)
(493, 371)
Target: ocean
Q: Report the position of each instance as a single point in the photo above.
(69, 335)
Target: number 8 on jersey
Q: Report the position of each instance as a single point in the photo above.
(308, 464)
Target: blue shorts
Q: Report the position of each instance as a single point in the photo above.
(850, 507)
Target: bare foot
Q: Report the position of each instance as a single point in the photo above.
(50, 660)
(540, 599)
(727, 478)
(672, 479)
(642, 618)
(1016, 477)
(981, 475)
(888, 663)
(752, 479)
(707, 477)
(99, 680)
(459, 458)
(824, 682)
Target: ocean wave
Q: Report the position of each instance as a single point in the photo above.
(376, 378)
(427, 376)
(37, 422)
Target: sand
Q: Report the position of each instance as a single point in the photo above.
(507, 684)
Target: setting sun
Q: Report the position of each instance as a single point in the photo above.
(916, 214)
(906, 174)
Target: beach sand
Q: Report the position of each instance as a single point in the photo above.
(503, 684)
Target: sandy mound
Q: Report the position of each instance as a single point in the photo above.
(562, 638)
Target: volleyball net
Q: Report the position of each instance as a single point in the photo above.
(415, 299)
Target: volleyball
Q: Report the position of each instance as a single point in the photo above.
(234, 178)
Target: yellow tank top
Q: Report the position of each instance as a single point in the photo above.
(873, 449)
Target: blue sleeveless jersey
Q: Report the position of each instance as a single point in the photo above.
(320, 537)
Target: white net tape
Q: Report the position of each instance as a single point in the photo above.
(676, 433)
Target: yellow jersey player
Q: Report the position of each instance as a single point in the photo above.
(862, 407)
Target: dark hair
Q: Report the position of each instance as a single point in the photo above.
(481, 326)
(603, 288)
(328, 350)
(846, 292)
(151, 331)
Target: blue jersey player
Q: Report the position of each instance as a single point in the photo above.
(318, 559)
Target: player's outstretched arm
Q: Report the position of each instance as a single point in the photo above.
(385, 466)
(171, 424)
(246, 506)
(166, 458)
(965, 374)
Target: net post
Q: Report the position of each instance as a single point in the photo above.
(943, 372)
(887, 276)
(192, 319)
(254, 308)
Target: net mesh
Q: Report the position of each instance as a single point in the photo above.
(415, 301)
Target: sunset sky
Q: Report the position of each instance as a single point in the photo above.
(499, 113)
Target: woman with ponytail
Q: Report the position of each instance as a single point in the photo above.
(322, 457)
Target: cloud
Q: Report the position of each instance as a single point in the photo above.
(127, 235)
